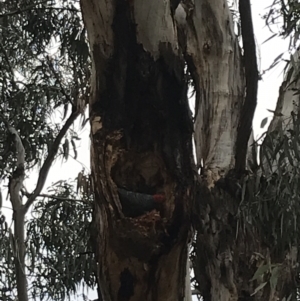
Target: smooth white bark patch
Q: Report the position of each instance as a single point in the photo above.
(180, 16)
(154, 25)
(214, 49)
(188, 290)
(288, 102)
(98, 17)
(289, 98)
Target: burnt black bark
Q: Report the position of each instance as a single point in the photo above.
(142, 141)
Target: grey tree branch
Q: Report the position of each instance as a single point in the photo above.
(251, 71)
(16, 181)
(19, 147)
(61, 198)
(17, 178)
(14, 187)
(49, 160)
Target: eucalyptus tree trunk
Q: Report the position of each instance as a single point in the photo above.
(219, 76)
(141, 131)
(229, 247)
(141, 151)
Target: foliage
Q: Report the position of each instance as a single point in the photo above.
(280, 190)
(44, 69)
(266, 274)
(286, 13)
(283, 16)
(272, 201)
(7, 277)
(60, 257)
(60, 253)
(44, 73)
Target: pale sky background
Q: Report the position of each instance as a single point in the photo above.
(267, 97)
(269, 85)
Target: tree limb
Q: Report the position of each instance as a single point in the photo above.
(14, 188)
(48, 162)
(19, 147)
(21, 10)
(251, 70)
(61, 198)
(16, 181)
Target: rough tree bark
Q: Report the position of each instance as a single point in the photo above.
(227, 254)
(141, 129)
(223, 119)
(213, 49)
(141, 142)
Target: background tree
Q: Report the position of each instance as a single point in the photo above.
(44, 73)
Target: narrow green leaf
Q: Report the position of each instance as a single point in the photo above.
(74, 148)
(274, 278)
(66, 149)
(261, 286)
(270, 38)
(287, 152)
(66, 108)
(263, 122)
(1, 199)
(260, 272)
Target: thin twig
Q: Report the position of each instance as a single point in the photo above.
(5, 207)
(7, 60)
(21, 10)
(61, 198)
(50, 65)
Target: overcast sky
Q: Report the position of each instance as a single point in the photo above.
(269, 85)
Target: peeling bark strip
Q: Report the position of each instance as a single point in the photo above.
(141, 142)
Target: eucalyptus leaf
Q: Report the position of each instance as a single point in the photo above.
(260, 287)
(260, 272)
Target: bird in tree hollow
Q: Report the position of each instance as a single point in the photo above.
(135, 204)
